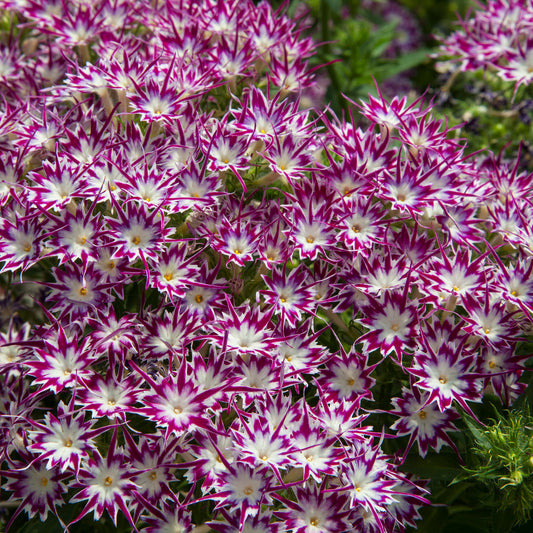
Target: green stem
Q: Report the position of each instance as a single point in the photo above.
(332, 71)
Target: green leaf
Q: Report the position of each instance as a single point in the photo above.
(479, 435)
(443, 466)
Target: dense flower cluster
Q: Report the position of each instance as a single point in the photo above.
(225, 275)
(497, 37)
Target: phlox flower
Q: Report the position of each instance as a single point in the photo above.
(207, 464)
(176, 403)
(65, 440)
(11, 345)
(366, 477)
(75, 235)
(260, 523)
(455, 276)
(237, 240)
(422, 421)
(245, 330)
(447, 373)
(489, 320)
(389, 115)
(259, 374)
(106, 483)
(171, 518)
(169, 334)
(289, 158)
(502, 369)
(37, 488)
(314, 511)
(116, 337)
(20, 241)
(242, 489)
(261, 117)
(347, 377)
(79, 292)
(290, 75)
(272, 247)
(153, 459)
(298, 350)
(260, 445)
(359, 222)
(173, 271)
(392, 324)
(62, 361)
(316, 453)
(289, 294)
(137, 232)
(112, 396)
(197, 189)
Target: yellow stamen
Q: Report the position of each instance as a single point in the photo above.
(313, 522)
(310, 240)
(136, 240)
(487, 331)
(44, 481)
(423, 415)
(248, 491)
(83, 291)
(168, 276)
(108, 481)
(199, 298)
(153, 475)
(68, 443)
(178, 410)
(443, 381)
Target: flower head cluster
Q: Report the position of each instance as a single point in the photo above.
(224, 281)
(497, 37)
